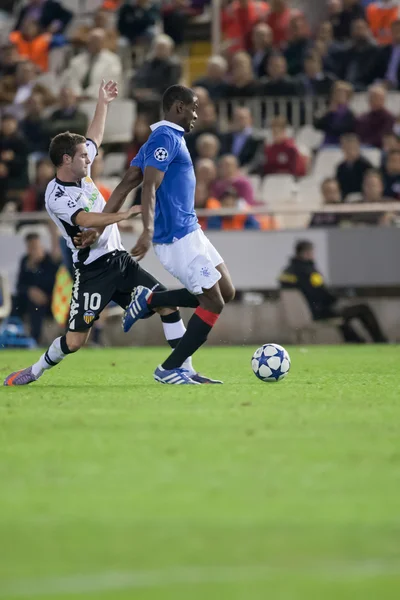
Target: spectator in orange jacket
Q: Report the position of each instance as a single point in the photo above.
(31, 44)
(380, 16)
(238, 20)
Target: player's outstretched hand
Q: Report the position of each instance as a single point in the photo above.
(108, 91)
(86, 238)
(142, 246)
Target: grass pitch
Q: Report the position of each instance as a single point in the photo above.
(115, 487)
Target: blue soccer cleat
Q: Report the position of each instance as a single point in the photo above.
(203, 380)
(137, 308)
(22, 377)
(173, 376)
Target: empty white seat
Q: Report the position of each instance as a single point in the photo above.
(114, 163)
(326, 163)
(120, 119)
(374, 155)
(308, 192)
(309, 137)
(359, 103)
(276, 189)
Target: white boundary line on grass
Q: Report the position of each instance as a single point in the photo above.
(346, 571)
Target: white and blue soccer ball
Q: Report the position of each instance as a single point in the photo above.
(271, 363)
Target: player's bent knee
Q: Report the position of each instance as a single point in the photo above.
(75, 341)
(229, 294)
(214, 305)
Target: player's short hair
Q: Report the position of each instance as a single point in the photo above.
(64, 143)
(302, 246)
(177, 93)
(30, 237)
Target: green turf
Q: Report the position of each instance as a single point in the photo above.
(115, 487)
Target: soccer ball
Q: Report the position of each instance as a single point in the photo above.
(271, 363)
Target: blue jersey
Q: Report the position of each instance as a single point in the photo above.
(166, 151)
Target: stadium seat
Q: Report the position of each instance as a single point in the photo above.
(5, 296)
(121, 116)
(374, 155)
(114, 164)
(359, 103)
(110, 182)
(276, 189)
(255, 181)
(308, 192)
(309, 137)
(297, 316)
(326, 163)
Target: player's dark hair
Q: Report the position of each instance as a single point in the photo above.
(177, 93)
(64, 143)
(31, 236)
(303, 246)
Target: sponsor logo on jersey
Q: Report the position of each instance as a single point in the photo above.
(60, 192)
(88, 316)
(91, 200)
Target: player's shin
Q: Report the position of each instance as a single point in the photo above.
(56, 352)
(174, 330)
(198, 328)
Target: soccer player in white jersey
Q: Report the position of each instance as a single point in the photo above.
(104, 271)
(171, 224)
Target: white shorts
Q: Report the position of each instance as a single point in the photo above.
(192, 260)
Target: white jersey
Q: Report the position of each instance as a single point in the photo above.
(65, 200)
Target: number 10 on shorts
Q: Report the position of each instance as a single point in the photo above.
(91, 301)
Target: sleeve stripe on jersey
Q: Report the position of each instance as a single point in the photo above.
(73, 217)
(94, 144)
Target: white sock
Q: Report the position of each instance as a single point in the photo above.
(174, 331)
(49, 359)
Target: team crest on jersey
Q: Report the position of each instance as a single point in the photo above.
(88, 316)
(161, 154)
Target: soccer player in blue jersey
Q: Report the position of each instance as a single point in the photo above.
(171, 225)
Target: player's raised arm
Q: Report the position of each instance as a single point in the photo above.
(151, 182)
(107, 93)
(132, 178)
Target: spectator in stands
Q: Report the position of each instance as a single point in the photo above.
(279, 18)
(243, 83)
(33, 45)
(102, 20)
(9, 59)
(33, 197)
(230, 199)
(391, 141)
(279, 83)
(13, 159)
(339, 118)
(237, 21)
(137, 20)
(206, 174)
(389, 65)
(392, 175)
(262, 48)
(378, 121)
(51, 15)
(282, 157)
(36, 278)
(342, 14)
(34, 126)
(357, 63)
(331, 194)
(302, 274)
(15, 90)
(298, 46)
(207, 146)
(157, 73)
(67, 117)
(230, 176)
(207, 122)
(314, 82)
(96, 174)
(373, 187)
(86, 70)
(141, 133)
(214, 79)
(350, 173)
(381, 16)
(175, 16)
(241, 141)
(203, 97)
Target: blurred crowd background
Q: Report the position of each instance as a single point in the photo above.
(299, 112)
